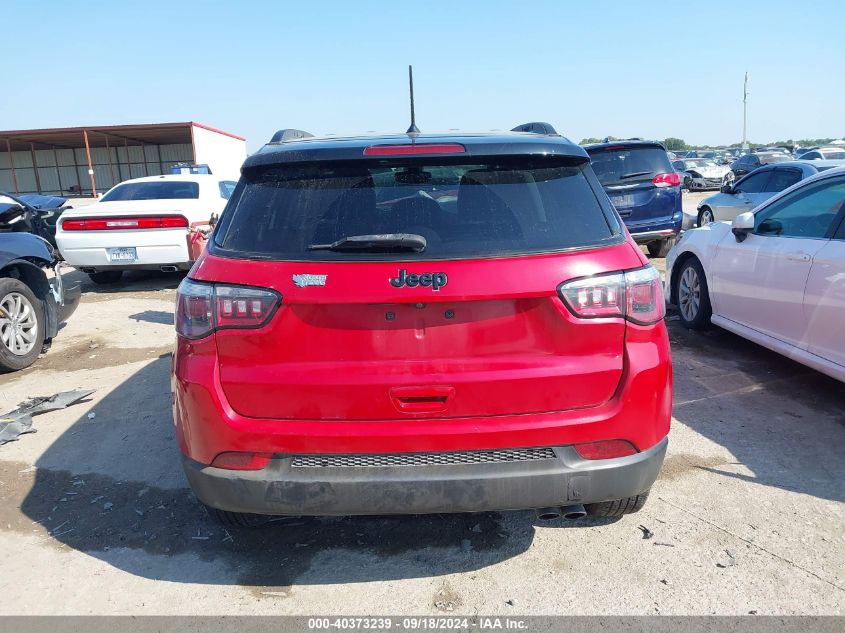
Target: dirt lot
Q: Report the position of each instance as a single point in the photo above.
(747, 516)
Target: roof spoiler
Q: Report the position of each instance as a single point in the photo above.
(289, 134)
(536, 127)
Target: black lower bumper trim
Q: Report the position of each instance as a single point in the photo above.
(327, 491)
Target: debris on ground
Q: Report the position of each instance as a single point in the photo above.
(19, 421)
(729, 560)
(647, 534)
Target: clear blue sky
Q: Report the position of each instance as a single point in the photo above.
(652, 69)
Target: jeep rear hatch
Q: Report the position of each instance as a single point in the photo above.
(463, 318)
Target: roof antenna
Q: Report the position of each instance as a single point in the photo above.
(413, 129)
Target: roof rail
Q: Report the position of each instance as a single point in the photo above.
(289, 134)
(536, 127)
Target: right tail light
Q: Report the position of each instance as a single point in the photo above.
(203, 308)
(670, 179)
(635, 295)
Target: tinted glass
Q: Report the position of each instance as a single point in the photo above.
(755, 183)
(783, 178)
(807, 213)
(629, 165)
(510, 206)
(773, 158)
(154, 190)
(833, 154)
(227, 187)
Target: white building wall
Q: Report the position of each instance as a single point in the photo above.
(224, 154)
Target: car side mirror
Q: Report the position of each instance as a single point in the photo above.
(727, 189)
(742, 225)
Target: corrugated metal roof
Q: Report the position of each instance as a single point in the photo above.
(100, 135)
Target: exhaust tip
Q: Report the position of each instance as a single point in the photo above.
(547, 514)
(571, 513)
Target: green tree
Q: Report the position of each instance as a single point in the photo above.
(591, 139)
(673, 143)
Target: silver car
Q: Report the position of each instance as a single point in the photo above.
(754, 189)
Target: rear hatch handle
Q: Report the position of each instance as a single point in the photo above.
(422, 399)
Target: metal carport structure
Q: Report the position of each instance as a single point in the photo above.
(82, 161)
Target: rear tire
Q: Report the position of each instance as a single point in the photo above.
(692, 295)
(25, 314)
(618, 507)
(238, 519)
(661, 248)
(705, 216)
(105, 277)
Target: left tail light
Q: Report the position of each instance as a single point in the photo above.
(670, 179)
(203, 308)
(633, 294)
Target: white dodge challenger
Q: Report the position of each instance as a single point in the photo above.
(142, 224)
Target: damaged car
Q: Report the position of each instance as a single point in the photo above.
(33, 213)
(698, 174)
(33, 300)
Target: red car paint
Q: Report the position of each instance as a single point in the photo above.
(492, 359)
(233, 394)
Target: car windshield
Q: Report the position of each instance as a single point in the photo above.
(154, 190)
(625, 165)
(699, 162)
(833, 154)
(431, 209)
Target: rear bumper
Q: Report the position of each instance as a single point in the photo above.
(562, 479)
(652, 236)
(153, 248)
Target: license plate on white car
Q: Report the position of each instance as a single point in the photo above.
(127, 254)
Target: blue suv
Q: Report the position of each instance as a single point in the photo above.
(645, 189)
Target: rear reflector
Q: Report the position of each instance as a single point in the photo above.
(606, 449)
(242, 461)
(672, 179)
(125, 223)
(633, 294)
(203, 308)
(415, 149)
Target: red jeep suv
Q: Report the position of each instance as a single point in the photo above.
(421, 323)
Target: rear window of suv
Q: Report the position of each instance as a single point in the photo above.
(485, 208)
(154, 190)
(628, 165)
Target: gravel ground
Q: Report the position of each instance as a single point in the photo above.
(746, 517)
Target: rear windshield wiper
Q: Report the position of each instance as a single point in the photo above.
(634, 175)
(387, 242)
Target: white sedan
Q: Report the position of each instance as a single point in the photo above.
(775, 275)
(147, 223)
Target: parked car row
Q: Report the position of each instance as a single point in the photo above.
(481, 293)
(753, 189)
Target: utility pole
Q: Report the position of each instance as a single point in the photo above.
(745, 111)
